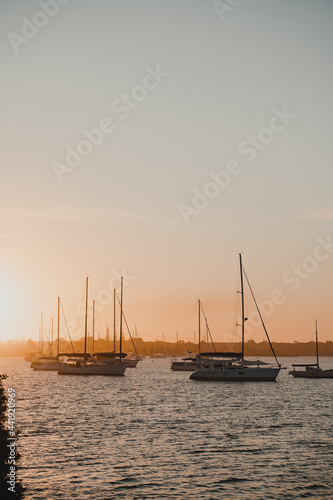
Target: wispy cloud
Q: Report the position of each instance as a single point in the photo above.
(319, 214)
(78, 214)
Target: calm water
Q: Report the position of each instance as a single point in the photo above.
(154, 434)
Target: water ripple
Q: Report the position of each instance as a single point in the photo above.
(154, 434)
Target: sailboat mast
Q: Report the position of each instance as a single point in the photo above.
(41, 330)
(207, 339)
(121, 319)
(52, 338)
(86, 321)
(317, 346)
(242, 295)
(199, 326)
(93, 328)
(58, 326)
(114, 320)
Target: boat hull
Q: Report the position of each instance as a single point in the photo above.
(93, 369)
(131, 363)
(45, 366)
(312, 373)
(236, 374)
(179, 366)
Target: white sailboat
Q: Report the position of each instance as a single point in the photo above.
(311, 370)
(111, 357)
(131, 361)
(88, 366)
(49, 363)
(231, 366)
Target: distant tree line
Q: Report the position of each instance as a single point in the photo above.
(181, 348)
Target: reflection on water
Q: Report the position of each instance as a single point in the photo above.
(155, 434)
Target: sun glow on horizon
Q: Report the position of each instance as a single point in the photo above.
(7, 305)
(15, 302)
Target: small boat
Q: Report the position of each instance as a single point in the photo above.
(231, 366)
(46, 363)
(89, 366)
(111, 357)
(49, 363)
(34, 356)
(185, 365)
(312, 370)
(131, 362)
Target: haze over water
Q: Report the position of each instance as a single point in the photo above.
(155, 434)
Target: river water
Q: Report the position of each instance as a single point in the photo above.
(155, 434)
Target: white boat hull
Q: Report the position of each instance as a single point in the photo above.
(314, 373)
(236, 374)
(93, 369)
(46, 366)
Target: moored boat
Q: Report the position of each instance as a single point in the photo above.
(131, 362)
(46, 363)
(49, 363)
(231, 366)
(215, 367)
(86, 367)
(89, 366)
(184, 365)
(312, 370)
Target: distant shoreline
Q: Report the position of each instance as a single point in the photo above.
(148, 348)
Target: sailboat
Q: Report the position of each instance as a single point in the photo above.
(33, 356)
(312, 370)
(231, 366)
(88, 366)
(188, 364)
(132, 360)
(111, 357)
(49, 363)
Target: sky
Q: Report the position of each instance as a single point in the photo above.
(158, 140)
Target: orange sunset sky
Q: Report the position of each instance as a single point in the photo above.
(157, 140)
